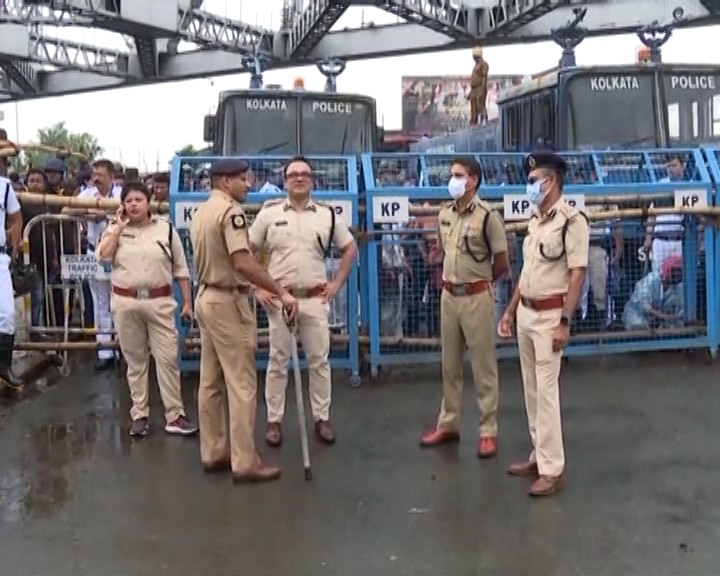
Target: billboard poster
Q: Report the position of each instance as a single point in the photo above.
(438, 104)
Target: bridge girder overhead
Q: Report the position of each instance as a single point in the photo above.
(449, 17)
(39, 58)
(315, 22)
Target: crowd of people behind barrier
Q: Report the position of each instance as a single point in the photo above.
(634, 280)
(627, 286)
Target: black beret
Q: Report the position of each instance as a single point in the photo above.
(229, 167)
(544, 159)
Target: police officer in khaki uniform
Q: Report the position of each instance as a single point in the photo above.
(146, 256)
(555, 259)
(225, 269)
(298, 234)
(472, 237)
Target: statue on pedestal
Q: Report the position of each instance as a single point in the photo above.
(478, 88)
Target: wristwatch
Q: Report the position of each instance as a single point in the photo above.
(564, 320)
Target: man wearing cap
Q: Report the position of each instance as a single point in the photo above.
(555, 258)
(478, 87)
(472, 239)
(225, 269)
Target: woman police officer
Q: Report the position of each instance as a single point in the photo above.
(146, 255)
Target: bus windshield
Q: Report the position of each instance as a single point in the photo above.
(259, 125)
(611, 110)
(693, 106)
(331, 126)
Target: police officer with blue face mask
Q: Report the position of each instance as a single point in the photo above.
(555, 258)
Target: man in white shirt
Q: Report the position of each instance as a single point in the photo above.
(103, 187)
(10, 220)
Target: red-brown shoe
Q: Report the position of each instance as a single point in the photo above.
(273, 434)
(324, 432)
(545, 486)
(526, 468)
(487, 447)
(258, 473)
(438, 437)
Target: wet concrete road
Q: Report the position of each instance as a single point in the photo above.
(78, 498)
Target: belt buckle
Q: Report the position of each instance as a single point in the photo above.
(143, 293)
(300, 292)
(459, 290)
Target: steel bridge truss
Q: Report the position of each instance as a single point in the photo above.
(448, 17)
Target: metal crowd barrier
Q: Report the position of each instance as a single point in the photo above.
(389, 313)
(336, 185)
(401, 190)
(55, 307)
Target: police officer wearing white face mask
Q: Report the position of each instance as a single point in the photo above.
(555, 258)
(472, 238)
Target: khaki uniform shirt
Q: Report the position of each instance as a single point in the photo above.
(293, 239)
(219, 229)
(142, 259)
(540, 277)
(461, 237)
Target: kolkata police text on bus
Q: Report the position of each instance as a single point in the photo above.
(692, 82)
(324, 107)
(613, 83)
(266, 105)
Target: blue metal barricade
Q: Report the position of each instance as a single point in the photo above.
(712, 160)
(336, 184)
(621, 271)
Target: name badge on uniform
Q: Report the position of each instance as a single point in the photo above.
(281, 223)
(445, 223)
(127, 235)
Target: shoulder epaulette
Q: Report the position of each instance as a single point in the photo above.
(273, 202)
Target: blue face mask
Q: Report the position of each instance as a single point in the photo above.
(535, 193)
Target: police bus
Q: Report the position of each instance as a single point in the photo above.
(286, 122)
(634, 106)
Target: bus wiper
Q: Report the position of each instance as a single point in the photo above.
(636, 141)
(272, 148)
(344, 140)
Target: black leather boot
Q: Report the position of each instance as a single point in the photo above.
(7, 343)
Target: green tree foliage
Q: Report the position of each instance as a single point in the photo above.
(188, 151)
(73, 146)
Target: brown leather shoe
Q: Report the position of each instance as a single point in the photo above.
(258, 473)
(273, 434)
(324, 432)
(523, 469)
(218, 466)
(438, 437)
(487, 447)
(545, 486)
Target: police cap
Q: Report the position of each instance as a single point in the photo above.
(544, 159)
(229, 167)
(54, 165)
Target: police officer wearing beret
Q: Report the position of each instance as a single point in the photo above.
(555, 258)
(225, 270)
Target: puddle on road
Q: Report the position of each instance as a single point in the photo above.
(42, 479)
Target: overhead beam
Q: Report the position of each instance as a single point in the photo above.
(512, 15)
(147, 53)
(315, 22)
(445, 16)
(392, 40)
(75, 56)
(21, 73)
(611, 17)
(213, 31)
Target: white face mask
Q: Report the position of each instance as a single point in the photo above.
(456, 187)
